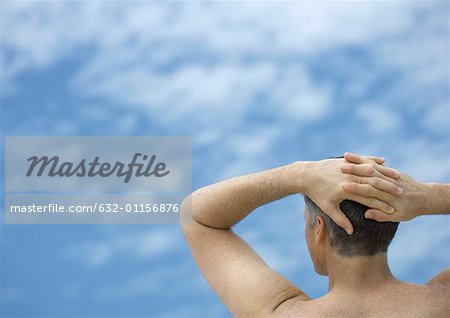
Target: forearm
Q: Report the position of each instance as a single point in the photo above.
(223, 204)
(437, 199)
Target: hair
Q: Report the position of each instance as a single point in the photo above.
(369, 237)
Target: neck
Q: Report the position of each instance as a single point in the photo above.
(358, 273)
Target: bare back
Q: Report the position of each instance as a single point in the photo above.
(397, 300)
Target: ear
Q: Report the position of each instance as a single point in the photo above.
(321, 230)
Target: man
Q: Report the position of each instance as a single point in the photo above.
(360, 283)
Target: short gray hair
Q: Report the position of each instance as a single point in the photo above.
(369, 237)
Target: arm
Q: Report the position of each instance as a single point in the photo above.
(240, 278)
(437, 199)
(237, 274)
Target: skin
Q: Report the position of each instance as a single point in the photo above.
(357, 285)
(417, 199)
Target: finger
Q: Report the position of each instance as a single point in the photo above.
(340, 219)
(367, 190)
(388, 172)
(371, 170)
(362, 170)
(354, 158)
(372, 203)
(377, 164)
(382, 185)
(373, 187)
(380, 216)
(377, 160)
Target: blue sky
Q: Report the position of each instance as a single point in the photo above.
(256, 85)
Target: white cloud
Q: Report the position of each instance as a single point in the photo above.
(247, 152)
(143, 245)
(437, 120)
(195, 93)
(297, 98)
(94, 255)
(186, 65)
(427, 238)
(378, 119)
(423, 159)
(132, 41)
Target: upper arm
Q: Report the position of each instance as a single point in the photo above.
(441, 279)
(236, 273)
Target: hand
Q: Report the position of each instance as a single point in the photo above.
(407, 205)
(326, 181)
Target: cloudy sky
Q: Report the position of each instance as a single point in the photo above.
(256, 85)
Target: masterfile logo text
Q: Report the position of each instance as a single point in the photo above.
(97, 168)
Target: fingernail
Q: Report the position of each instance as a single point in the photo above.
(398, 190)
(345, 166)
(390, 210)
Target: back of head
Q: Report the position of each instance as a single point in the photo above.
(369, 237)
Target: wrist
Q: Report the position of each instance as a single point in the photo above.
(423, 200)
(297, 175)
(437, 198)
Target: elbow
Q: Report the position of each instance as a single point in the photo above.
(190, 220)
(186, 213)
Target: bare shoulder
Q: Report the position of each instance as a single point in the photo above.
(402, 300)
(441, 280)
(439, 291)
(438, 295)
(439, 288)
(430, 300)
